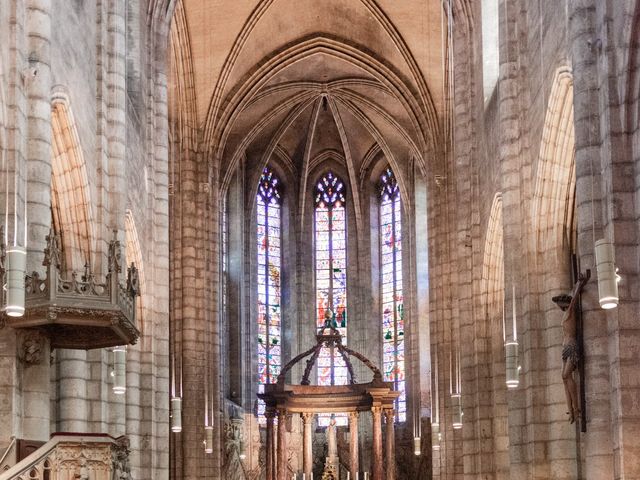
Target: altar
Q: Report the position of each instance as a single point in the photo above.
(306, 400)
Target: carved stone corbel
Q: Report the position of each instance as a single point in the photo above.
(32, 349)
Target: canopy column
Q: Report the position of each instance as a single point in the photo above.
(376, 413)
(270, 415)
(389, 415)
(353, 443)
(282, 444)
(307, 451)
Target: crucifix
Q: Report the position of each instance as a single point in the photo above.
(571, 351)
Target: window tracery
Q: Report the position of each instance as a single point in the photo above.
(393, 348)
(269, 269)
(331, 277)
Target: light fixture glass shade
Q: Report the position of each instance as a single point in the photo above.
(512, 370)
(417, 446)
(436, 436)
(119, 370)
(176, 414)
(607, 277)
(208, 439)
(16, 267)
(456, 401)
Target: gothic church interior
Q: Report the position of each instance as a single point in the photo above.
(331, 239)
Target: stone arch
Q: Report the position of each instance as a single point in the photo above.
(493, 260)
(492, 288)
(182, 98)
(218, 129)
(555, 175)
(425, 106)
(70, 199)
(133, 254)
(553, 242)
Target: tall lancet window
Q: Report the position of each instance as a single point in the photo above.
(391, 288)
(269, 262)
(331, 272)
(331, 277)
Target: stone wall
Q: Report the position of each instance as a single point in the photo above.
(559, 193)
(107, 143)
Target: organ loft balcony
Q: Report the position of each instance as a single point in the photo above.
(77, 312)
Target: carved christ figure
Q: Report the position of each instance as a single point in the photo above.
(332, 440)
(570, 350)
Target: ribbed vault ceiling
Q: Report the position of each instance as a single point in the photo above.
(312, 78)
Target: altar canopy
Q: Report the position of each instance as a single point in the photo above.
(282, 400)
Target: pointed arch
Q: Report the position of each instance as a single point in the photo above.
(330, 230)
(424, 106)
(492, 289)
(493, 260)
(218, 128)
(70, 199)
(392, 287)
(269, 270)
(555, 176)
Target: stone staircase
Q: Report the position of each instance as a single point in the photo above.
(73, 456)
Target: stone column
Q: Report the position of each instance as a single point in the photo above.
(353, 443)
(274, 454)
(270, 414)
(36, 376)
(376, 413)
(282, 444)
(307, 452)
(389, 415)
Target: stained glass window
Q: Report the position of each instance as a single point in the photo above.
(224, 279)
(269, 261)
(391, 288)
(331, 277)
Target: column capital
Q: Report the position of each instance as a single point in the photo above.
(354, 415)
(376, 410)
(270, 412)
(389, 414)
(307, 417)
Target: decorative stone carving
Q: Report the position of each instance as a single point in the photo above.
(115, 254)
(52, 254)
(234, 469)
(78, 311)
(82, 471)
(133, 281)
(32, 348)
(120, 458)
(233, 434)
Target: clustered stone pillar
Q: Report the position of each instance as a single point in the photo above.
(353, 444)
(376, 413)
(270, 415)
(282, 444)
(389, 415)
(307, 450)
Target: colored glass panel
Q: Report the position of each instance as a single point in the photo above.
(331, 278)
(268, 279)
(391, 288)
